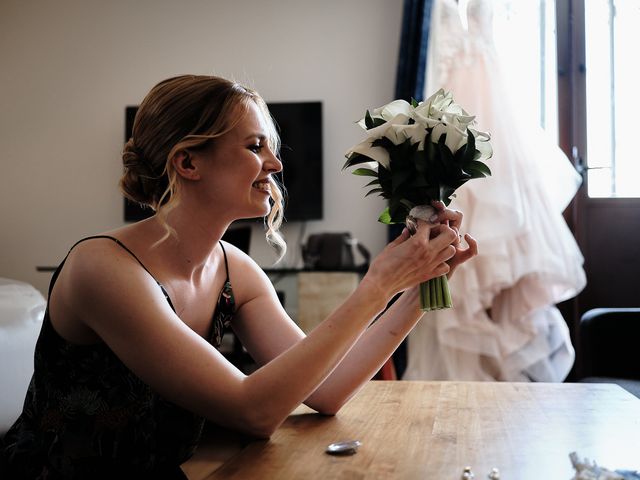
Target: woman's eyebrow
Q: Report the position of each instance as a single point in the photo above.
(259, 135)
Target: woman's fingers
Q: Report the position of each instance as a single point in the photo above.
(403, 237)
(409, 260)
(453, 218)
(473, 244)
(441, 235)
(464, 254)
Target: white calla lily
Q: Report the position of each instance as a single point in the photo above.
(378, 154)
(454, 138)
(395, 108)
(485, 149)
(381, 130)
(402, 127)
(390, 112)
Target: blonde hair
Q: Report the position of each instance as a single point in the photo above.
(189, 112)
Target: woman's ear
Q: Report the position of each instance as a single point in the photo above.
(184, 166)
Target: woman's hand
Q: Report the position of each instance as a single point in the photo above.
(410, 260)
(453, 218)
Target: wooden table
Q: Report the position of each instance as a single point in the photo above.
(432, 430)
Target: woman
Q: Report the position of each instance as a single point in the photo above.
(127, 366)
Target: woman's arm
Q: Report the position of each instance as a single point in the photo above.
(119, 301)
(371, 350)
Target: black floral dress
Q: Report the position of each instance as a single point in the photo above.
(87, 416)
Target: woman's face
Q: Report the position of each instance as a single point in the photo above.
(236, 169)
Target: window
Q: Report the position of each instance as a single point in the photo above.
(525, 38)
(612, 97)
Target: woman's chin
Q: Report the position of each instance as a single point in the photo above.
(257, 213)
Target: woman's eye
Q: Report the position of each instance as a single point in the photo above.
(255, 148)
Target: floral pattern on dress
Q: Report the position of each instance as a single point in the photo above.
(86, 415)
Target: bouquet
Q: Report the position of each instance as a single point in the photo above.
(418, 153)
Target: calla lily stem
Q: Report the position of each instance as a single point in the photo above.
(435, 295)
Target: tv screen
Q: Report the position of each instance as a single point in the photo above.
(300, 127)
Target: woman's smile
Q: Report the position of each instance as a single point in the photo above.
(262, 185)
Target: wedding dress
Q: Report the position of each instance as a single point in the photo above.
(504, 324)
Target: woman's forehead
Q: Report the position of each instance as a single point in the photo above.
(251, 121)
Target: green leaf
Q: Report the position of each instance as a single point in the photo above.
(368, 121)
(383, 142)
(446, 192)
(414, 102)
(418, 182)
(365, 172)
(397, 210)
(375, 190)
(407, 204)
(356, 159)
(375, 181)
(479, 167)
(471, 141)
(399, 177)
(385, 217)
(372, 122)
(377, 121)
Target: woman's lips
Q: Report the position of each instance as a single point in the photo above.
(262, 185)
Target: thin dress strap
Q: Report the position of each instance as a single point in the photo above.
(226, 264)
(119, 243)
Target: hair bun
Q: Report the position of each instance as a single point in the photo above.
(137, 177)
(131, 155)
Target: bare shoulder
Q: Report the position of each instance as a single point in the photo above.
(99, 261)
(100, 275)
(98, 278)
(240, 260)
(247, 277)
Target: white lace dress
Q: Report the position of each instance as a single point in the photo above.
(504, 324)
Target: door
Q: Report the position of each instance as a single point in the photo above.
(598, 98)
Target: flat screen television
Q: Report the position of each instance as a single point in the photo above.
(300, 128)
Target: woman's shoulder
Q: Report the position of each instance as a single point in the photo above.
(245, 275)
(239, 261)
(105, 247)
(97, 250)
(100, 263)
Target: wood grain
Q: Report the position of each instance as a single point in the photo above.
(432, 430)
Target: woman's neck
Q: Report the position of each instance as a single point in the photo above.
(190, 250)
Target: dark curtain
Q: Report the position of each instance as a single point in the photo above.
(410, 78)
(412, 58)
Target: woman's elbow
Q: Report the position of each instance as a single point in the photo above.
(259, 426)
(257, 433)
(328, 407)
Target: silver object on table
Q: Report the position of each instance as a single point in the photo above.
(343, 448)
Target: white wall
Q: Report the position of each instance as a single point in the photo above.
(68, 68)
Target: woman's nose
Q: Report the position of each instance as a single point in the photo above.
(273, 163)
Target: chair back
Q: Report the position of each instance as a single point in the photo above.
(610, 342)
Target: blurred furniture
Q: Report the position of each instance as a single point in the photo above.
(320, 293)
(609, 339)
(432, 430)
(21, 313)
